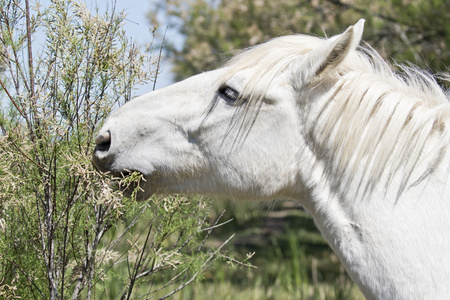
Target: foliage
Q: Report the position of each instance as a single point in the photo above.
(213, 29)
(293, 261)
(64, 233)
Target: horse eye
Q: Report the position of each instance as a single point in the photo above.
(231, 94)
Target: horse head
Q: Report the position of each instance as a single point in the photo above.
(235, 131)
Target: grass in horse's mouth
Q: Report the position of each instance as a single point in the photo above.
(128, 182)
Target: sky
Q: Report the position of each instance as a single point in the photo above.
(137, 27)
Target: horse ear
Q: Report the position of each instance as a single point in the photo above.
(331, 53)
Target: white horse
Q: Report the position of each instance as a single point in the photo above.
(321, 121)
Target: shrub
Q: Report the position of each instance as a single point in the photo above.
(64, 233)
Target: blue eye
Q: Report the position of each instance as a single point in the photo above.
(230, 94)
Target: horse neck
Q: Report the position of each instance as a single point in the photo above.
(388, 233)
(393, 248)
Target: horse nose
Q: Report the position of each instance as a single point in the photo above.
(103, 142)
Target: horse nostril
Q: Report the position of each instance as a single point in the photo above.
(103, 141)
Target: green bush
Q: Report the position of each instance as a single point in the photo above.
(64, 233)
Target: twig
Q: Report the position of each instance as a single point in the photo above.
(218, 225)
(11, 98)
(202, 269)
(25, 274)
(30, 52)
(236, 261)
(211, 228)
(159, 59)
(31, 160)
(136, 270)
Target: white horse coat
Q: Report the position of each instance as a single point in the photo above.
(323, 122)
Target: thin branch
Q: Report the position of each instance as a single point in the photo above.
(211, 228)
(204, 266)
(159, 59)
(31, 160)
(30, 52)
(25, 274)
(11, 98)
(216, 226)
(237, 261)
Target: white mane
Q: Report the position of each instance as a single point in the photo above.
(372, 115)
